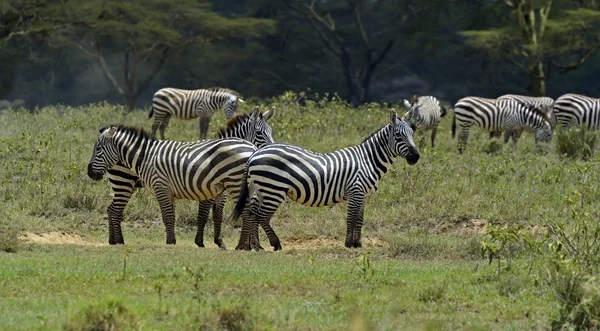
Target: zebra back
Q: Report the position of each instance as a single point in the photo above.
(578, 109)
(423, 113)
(544, 104)
(189, 104)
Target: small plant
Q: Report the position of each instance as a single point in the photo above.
(80, 202)
(9, 241)
(109, 315)
(364, 266)
(493, 147)
(234, 319)
(505, 242)
(197, 276)
(433, 293)
(579, 298)
(576, 143)
(125, 255)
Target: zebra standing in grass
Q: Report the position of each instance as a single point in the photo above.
(544, 104)
(351, 174)
(577, 109)
(424, 113)
(190, 104)
(200, 171)
(499, 115)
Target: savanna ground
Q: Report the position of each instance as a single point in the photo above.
(429, 234)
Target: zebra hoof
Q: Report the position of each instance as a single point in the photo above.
(349, 244)
(242, 248)
(171, 242)
(357, 245)
(200, 244)
(277, 247)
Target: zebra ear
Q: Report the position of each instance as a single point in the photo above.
(254, 114)
(393, 116)
(110, 133)
(269, 113)
(407, 104)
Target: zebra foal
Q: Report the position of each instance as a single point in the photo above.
(577, 109)
(200, 171)
(351, 174)
(424, 114)
(190, 104)
(251, 127)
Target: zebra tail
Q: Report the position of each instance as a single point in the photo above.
(151, 112)
(242, 199)
(453, 126)
(444, 111)
(240, 100)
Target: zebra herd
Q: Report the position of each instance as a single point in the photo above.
(245, 163)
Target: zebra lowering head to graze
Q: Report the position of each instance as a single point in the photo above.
(351, 174)
(424, 113)
(190, 104)
(253, 128)
(577, 109)
(499, 115)
(200, 171)
(544, 104)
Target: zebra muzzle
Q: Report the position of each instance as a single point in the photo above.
(92, 174)
(412, 158)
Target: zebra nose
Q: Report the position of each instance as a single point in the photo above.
(93, 175)
(412, 158)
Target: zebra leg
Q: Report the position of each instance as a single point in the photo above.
(354, 221)
(217, 208)
(203, 210)
(163, 126)
(156, 124)
(433, 133)
(421, 138)
(203, 124)
(167, 209)
(265, 222)
(463, 138)
(115, 216)
(249, 222)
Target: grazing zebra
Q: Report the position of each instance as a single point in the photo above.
(189, 104)
(351, 174)
(424, 114)
(199, 171)
(499, 115)
(544, 104)
(577, 109)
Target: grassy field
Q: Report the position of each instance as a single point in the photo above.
(421, 266)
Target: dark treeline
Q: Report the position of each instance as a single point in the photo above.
(80, 51)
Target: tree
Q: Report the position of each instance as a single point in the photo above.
(535, 39)
(359, 48)
(144, 34)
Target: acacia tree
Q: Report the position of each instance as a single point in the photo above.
(535, 40)
(144, 34)
(359, 48)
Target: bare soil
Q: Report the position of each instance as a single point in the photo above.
(58, 238)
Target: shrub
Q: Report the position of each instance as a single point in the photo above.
(576, 143)
(579, 298)
(109, 315)
(432, 293)
(9, 241)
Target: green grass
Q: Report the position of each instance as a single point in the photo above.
(422, 235)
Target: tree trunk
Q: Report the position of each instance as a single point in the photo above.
(538, 84)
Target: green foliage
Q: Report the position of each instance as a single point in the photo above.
(9, 240)
(433, 293)
(111, 314)
(576, 142)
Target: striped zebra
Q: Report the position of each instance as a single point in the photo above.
(190, 104)
(544, 104)
(499, 115)
(577, 109)
(424, 113)
(351, 174)
(200, 171)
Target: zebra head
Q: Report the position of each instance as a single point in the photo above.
(401, 139)
(544, 134)
(412, 116)
(260, 132)
(105, 154)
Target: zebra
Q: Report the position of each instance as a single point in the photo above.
(189, 104)
(498, 115)
(351, 174)
(200, 171)
(424, 114)
(577, 109)
(544, 104)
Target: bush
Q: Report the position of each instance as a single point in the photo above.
(109, 315)
(9, 241)
(579, 298)
(576, 143)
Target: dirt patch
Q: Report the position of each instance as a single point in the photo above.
(473, 226)
(326, 242)
(57, 238)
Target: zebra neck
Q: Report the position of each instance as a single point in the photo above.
(133, 151)
(376, 152)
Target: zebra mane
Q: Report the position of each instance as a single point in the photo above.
(138, 131)
(537, 110)
(222, 89)
(374, 133)
(231, 123)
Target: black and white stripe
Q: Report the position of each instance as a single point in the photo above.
(499, 115)
(190, 104)
(351, 174)
(424, 114)
(544, 104)
(578, 110)
(198, 171)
